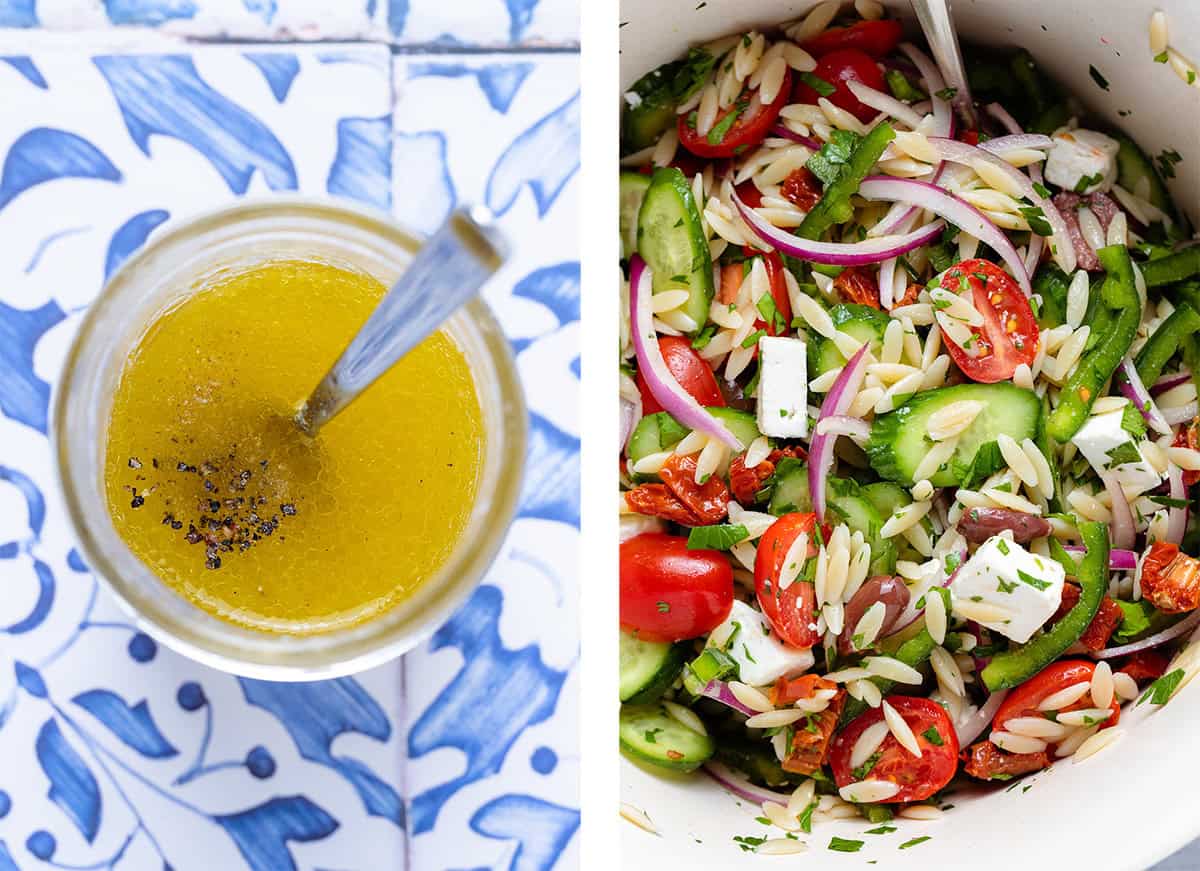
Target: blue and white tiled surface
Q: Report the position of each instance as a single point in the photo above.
(116, 753)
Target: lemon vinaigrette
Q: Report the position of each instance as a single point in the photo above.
(212, 485)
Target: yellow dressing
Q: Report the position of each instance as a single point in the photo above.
(247, 517)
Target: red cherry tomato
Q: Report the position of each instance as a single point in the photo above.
(918, 778)
(747, 130)
(693, 374)
(1009, 333)
(779, 294)
(791, 612)
(876, 38)
(1024, 700)
(670, 593)
(837, 68)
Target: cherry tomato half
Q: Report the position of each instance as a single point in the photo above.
(918, 778)
(749, 127)
(791, 612)
(691, 371)
(1008, 336)
(1024, 700)
(779, 295)
(876, 38)
(837, 68)
(670, 593)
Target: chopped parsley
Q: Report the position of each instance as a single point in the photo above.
(1036, 583)
(1161, 690)
(1168, 502)
(1006, 586)
(663, 607)
(933, 736)
(717, 134)
(880, 830)
(649, 735)
(1161, 58)
(828, 163)
(845, 845)
(1002, 546)
(751, 340)
(1126, 452)
(946, 93)
(719, 536)
(863, 770)
(817, 83)
(1098, 78)
(705, 336)
(915, 841)
(806, 817)
(1042, 190)
(1166, 162)
(1086, 181)
(1035, 217)
(748, 843)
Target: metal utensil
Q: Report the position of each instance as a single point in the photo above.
(449, 270)
(938, 26)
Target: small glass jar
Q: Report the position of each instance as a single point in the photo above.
(160, 276)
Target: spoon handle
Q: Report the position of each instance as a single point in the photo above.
(937, 24)
(446, 272)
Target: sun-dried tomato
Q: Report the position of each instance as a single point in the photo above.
(1145, 665)
(811, 738)
(746, 483)
(802, 188)
(789, 691)
(911, 294)
(679, 498)
(986, 761)
(656, 500)
(856, 284)
(1170, 579)
(1096, 636)
(1189, 437)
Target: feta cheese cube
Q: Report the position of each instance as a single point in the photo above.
(782, 387)
(761, 657)
(1102, 439)
(1082, 154)
(1007, 589)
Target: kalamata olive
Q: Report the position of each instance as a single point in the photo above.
(881, 588)
(979, 524)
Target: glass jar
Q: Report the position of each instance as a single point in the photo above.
(168, 270)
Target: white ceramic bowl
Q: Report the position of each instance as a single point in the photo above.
(1133, 803)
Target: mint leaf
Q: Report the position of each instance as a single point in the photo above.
(829, 163)
(720, 536)
(1126, 452)
(1159, 692)
(845, 845)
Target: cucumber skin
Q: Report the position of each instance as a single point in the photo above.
(1132, 165)
(860, 321)
(633, 186)
(888, 429)
(647, 434)
(668, 218)
(636, 720)
(668, 670)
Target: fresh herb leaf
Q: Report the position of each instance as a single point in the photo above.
(649, 735)
(663, 607)
(1168, 502)
(1097, 77)
(1042, 190)
(946, 93)
(704, 337)
(1035, 217)
(901, 88)
(719, 536)
(1006, 586)
(1036, 583)
(751, 340)
(880, 830)
(933, 736)
(1133, 422)
(1159, 692)
(1167, 161)
(806, 817)
(828, 163)
(717, 134)
(845, 845)
(1161, 58)
(863, 770)
(1002, 546)
(747, 843)
(914, 842)
(1126, 452)
(817, 83)
(1086, 181)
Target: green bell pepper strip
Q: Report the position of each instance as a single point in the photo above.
(1177, 267)
(1052, 284)
(1165, 342)
(1014, 667)
(1098, 364)
(914, 652)
(834, 206)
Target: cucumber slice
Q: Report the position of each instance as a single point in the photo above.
(648, 733)
(633, 189)
(1134, 169)
(671, 239)
(648, 668)
(886, 497)
(659, 431)
(860, 321)
(652, 112)
(847, 503)
(898, 439)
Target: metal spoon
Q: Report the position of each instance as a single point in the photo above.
(449, 270)
(938, 27)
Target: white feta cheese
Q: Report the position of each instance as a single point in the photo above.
(761, 657)
(1103, 439)
(782, 387)
(1082, 154)
(1007, 589)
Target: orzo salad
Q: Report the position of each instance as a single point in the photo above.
(909, 401)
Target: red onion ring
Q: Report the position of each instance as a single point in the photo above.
(719, 691)
(676, 401)
(836, 253)
(1123, 531)
(973, 727)
(1136, 392)
(741, 787)
(836, 403)
(784, 133)
(1166, 382)
(1172, 631)
(1119, 559)
(1177, 516)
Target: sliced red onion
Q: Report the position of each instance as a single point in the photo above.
(1180, 413)
(885, 103)
(1172, 631)
(946, 205)
(972, 727)
(837, 401)
(1123, 531)
(1119, 559)
(676, 401)
(741, 787)
(1001, 145)
(1009, 123)
(1166, 382)
(1135, 391)
(962, 153)
(784, 133)
(1033, 254)
(836, 253)
(934, 83)
(1177, 516)
(719, 691)
(900, 216)
(631, 407)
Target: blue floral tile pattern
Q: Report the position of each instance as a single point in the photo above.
(493, 760)
(118, 753)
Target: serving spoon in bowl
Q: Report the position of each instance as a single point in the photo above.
(448, 271)
(937, 23)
